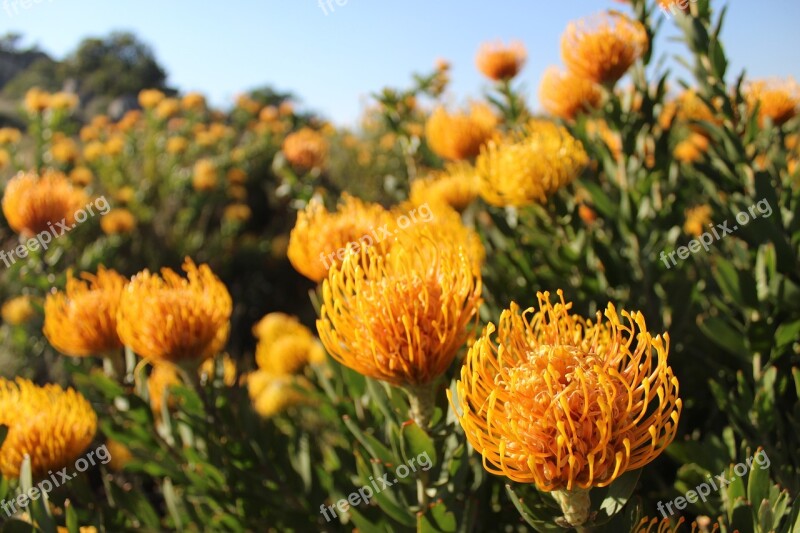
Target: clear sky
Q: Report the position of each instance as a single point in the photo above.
(334, 60)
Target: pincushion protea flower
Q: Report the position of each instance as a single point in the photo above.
(17, 310)
(456, 187)
(603, 48)
(566, 403)
(305, 149)
(319, 238)
(778, 99)
(528, 166)
(400, 317)
(460, 135)
(564, 94)
(175, 319)
(51, 425)
(118, 221)
(33, 204)
(498, 62)
(285, 345)
(82, 319)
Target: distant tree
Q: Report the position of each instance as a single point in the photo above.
(114, 66)
(43, 73)
(266, 95)
(10, 42)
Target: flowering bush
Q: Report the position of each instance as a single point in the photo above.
(578, 318)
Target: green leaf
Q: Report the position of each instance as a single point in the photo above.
(722, 334)
(613, 498)
(417, 443)
(436, 519)
(758, 484)
(375, 448)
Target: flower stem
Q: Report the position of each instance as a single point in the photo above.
(421, 399)
(576, 506)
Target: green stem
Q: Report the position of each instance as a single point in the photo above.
(421, 399)
(576, 505)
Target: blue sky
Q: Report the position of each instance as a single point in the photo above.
(334, 60)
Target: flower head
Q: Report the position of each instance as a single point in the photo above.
(204, 177)
(565, 95)
(602, 49)
(460, 135)
(564, 402)
(778, 99)
(17, 310)
(9, 136)
(528, 166)
(456, 187)
(319, 238)
(691, 149)
(305, 149)
(272, 394)
(51, 425)
(36, 101)
(162, 376)
(697, 219)
(32, 204)
(498, 62)
(118, 221)
(400, 316)
(82, 319)
(170, 318)
(193, 101)
(285, 346)
(150, 98)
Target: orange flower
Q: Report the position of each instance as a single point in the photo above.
(319, 239)
(601, 49)
(150, 98)
(36, 101)
(527, 167)
(498, 62)
(456, 187)
(118, 221)
(17, 311)
(82, 320)
(51, 425)
(305, 149)
(564, 402)
(286, 350)
(460, 135)
(32, 204)
(778, 99)
(691, 149)
(204, 177)
(400, 317)
(697, 219)
(193, 101)
(81, 176)
(62, 101)
(162, 376)
(564, 94)
(169, 318)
